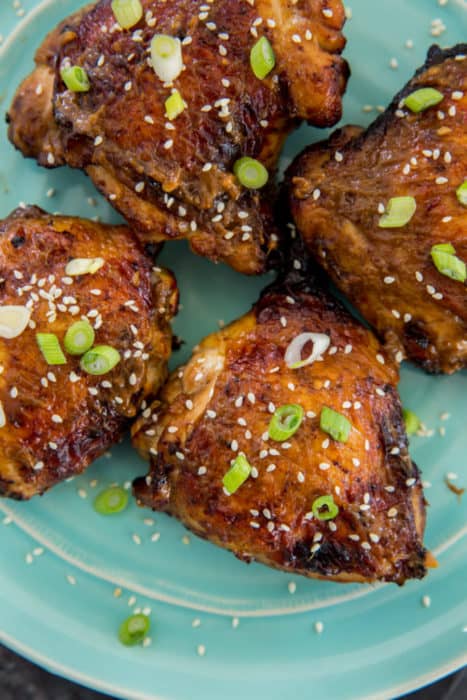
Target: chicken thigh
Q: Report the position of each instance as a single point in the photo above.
(282, 440)
(169, 167)
(84, 342)
(384, 211)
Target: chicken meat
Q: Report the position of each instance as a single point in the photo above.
(171, 175)
(338, 505)
(60, 410)
(412, 291)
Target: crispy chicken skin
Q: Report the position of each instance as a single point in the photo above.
(219, 404)
(174, 179)
(58, 419)
(337, 186)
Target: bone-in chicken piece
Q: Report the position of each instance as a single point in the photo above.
(345, 509)
(56, 271)
(172, 177)
(340, 189)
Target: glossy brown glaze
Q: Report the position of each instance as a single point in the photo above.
(388, 274)
(220, 404)
(58, 418)
(174, 179)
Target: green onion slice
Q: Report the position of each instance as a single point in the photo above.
(100, 360)
(237, 474)
(79, 338)
(334, 424)
(75, 78)
(83, 266)
(285, 422)
(448, 263)
(174, 105)
(13, 320)
(445, 248)
(423, 98)
(127, 12)
(461, 194)
(251, 173)
(49, 346)
(262, 58)
(324, 508)
(166, 56)
(411, 420)
(293, 353)
(112, 500)
(134, 629)
(398, 213)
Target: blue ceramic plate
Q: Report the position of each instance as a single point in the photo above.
(69, 576)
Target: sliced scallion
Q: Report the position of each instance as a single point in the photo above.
(174, 105)
(398, 213)
(293, 353)
(448, 263)
(461, 194)
(13, 320)
(411, 420)
(324, 508)
(251, 173)
(112, 500)
(445, 248)
(166, 56)
(262, 58)
(75, 78)
(134, 629)
(83, 266)
(335, 424)
(49, 346)
(422, 99)
(285, 422)
(100, 360)
(237, 474)
(79, 338)
(127, 12)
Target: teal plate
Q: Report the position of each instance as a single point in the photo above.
(60, 562)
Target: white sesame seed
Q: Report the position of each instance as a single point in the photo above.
(319, 627)
(392, 512)
(426, 601)
(201, 649)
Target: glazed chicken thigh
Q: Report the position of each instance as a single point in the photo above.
(170, 172)
(301, 466)
(67, 286)
(406, 276)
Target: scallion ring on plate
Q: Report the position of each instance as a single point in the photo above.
(285, 422)
(112, 500)
(293, 353)
(134, 629)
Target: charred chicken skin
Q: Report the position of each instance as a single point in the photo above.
(339, 189)
(173, 177)
(57, 418)
(215, 413)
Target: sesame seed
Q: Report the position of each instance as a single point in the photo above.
(380, 359)
(136, 538)
(389, 280)
(324, 466)
(292, 586)
(201, 649)
(56, 418)
(426, 601)
(319, 627)
(392, 512)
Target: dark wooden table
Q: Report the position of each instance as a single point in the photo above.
(21, 680)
